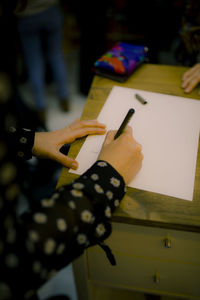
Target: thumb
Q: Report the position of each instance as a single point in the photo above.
(65, 160)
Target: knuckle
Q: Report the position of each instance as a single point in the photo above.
(138, 148)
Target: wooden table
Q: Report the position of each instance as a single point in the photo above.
(155, 237)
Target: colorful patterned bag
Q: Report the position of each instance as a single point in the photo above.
(120, 61)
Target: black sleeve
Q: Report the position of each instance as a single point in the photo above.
(37, 244)
(22, 140)
(77, 216)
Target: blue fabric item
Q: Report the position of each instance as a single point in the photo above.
(34, 30)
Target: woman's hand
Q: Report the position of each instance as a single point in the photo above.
(124, 154)
(191, 78)
(48, 144)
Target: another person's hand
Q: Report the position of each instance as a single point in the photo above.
(124, 154)
(191, 78)
(48, 144)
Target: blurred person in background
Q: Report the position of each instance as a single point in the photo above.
(39, 24)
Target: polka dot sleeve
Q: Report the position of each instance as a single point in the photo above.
(105, 185)
(58, 229)
(23, 140)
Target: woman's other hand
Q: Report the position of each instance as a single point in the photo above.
(48, 144)
(191, 78)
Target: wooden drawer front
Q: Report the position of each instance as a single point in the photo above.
(149, 242)
(138, 273)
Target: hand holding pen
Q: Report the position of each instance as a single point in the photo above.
(124, 153)
(124, 123)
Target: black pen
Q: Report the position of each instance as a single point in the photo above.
(124, 123)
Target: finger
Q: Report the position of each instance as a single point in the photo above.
(128, 134)
(191, 71)
(79, 133)
(65, 160)
(69, 136)
(78, 124)
(185, 82)
(94, 123)
(128, 130)
(194, 76)
(73, 124)
(191, 84)
(109, 137)
(187, 74)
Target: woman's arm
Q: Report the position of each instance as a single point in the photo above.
(56, 230)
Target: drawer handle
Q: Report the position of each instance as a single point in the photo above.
(167, 243)
(156, 277)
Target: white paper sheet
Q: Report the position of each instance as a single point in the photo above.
(168, 129)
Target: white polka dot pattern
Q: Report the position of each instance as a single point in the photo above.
(49, 246)
(40, 218)
(61, 224)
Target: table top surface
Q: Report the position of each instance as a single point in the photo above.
(138, 206)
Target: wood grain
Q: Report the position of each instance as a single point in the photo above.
(141, 207)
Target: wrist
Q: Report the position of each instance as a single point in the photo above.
(36, 150)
